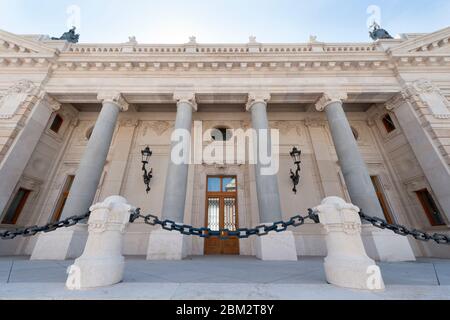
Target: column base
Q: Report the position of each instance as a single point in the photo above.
(62, 244)
(276, 247)
(166, 245)
(353, 273)
(385, 245)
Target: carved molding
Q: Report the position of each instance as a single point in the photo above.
(257, 97)
(186, 97)
(159, 127)
(315, 123)
(285, 126)
(330, 97)
(113, 97)
(128, 122)
(16, 96)
(424, 92)
(22, 86)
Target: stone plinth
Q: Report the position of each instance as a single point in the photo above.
(166, 245)
(276, 247)
(102, 263)
(347, 264)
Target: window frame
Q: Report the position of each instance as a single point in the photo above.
(20, 206)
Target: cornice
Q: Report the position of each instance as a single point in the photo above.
(183, 63)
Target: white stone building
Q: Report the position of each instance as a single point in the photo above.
(55, 145)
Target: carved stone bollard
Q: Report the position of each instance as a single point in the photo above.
(102, 263)
(347, 264)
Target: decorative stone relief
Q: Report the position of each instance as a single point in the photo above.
(286, 126)
(15, 97)
(315, 123)
(431, 96)
(158, 127)
(128, 122)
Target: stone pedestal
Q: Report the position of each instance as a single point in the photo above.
(276, 247)
(102, 263)
(62, 244)
(385, 245)
(166, 245)
(347, 264)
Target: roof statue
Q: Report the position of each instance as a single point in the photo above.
(379, 33)
(69, 36)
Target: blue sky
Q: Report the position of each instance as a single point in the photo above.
(233, 21)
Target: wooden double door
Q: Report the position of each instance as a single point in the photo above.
(222, 213)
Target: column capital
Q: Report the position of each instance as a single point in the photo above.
(255, 97)
(188, 97)
(396, 101)
(330, 97)
(114, 97)
(51, 102)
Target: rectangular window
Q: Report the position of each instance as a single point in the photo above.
(430, 208)
(382, 198)
(63, 198)
(57, 123)
(388, 123)
(16, 206)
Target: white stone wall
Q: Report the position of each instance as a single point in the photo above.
(294, 75)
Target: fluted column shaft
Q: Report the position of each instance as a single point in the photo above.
(89, 172)
(266, 185)
(177, 173)
(354, 169)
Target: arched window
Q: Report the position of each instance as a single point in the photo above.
(221, 134)
(355, 133)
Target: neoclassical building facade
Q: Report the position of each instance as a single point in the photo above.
(372, 121)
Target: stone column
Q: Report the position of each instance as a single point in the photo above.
(354, 169)
(279, 246)
(380, 244)
(166, 245)
(18, 155)
(423, 143)
(71, 241)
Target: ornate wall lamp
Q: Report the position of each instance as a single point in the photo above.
(146, 154)
(295, 154)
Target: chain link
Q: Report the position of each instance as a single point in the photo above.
(404, 231)
(225, 234)
(31, 231)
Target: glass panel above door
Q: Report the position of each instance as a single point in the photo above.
(229, 185)
(213, 184)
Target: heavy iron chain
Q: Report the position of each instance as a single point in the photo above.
(404, 231)
(225, 234)
(31, 231)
